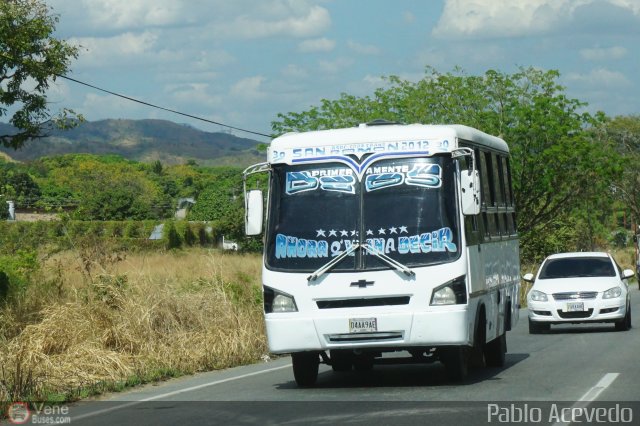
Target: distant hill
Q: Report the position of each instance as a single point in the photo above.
(143, 140)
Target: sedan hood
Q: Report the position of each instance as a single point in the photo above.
(564, 285)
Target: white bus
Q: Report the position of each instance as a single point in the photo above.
(387, 238)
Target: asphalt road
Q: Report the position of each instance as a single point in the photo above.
(579, 368)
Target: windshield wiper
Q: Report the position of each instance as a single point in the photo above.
(394, 263)
(324, 268)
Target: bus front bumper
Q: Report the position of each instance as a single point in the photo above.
(399, 331)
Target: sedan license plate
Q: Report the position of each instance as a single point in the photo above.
(362, 325)
(575, 307)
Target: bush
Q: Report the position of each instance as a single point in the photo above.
(171, 236)
(4, 210)
(4, 286)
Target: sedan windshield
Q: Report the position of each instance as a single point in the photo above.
(577, 267)
(404, 209)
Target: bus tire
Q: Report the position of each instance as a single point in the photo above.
(495, 351)
(456, 363)
(305, 368)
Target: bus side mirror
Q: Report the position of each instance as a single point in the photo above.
(253, 212)
(470, 192)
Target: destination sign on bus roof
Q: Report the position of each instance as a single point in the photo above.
(292, 155)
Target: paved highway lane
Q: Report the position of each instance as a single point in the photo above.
(588, 363)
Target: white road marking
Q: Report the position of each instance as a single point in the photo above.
(179, 391)
(593, 393)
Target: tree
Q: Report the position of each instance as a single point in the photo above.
(17, 185)
(30, 59)
(556, 164)
(221, 202)
(624, 133)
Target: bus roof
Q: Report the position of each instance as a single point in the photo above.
(323, 145)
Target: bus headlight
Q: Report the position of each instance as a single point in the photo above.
(451, 293)
(277, 301)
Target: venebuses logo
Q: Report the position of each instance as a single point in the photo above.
(18, 413)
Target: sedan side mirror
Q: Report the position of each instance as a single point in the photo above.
(528, 277)
(627, 273)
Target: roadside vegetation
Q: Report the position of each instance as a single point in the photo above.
(93, 319)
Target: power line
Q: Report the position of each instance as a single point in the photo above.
(160, 107)
(150, 104)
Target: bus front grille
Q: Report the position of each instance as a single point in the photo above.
(363, 302)
(365, 337)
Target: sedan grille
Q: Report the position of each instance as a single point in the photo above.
(572, 315)
(575, 295)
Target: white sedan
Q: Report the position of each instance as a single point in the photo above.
(577, 288)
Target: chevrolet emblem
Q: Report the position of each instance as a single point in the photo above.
(362, 283)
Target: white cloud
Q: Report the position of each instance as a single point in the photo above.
(135, 13)
(294, 71)
(603, 53)
(409, 17)
(316, 45)
(335, 66)
(363, 49)
(97, 51)
(190, 94)
(601, 78)
(249, 88)
(97, 107)
(220, 18)
(633, 5)
(293, 22)
(510, 18)
(109, 16)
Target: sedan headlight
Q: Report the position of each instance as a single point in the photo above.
(538, 296)
(277, 301)
(612, 293)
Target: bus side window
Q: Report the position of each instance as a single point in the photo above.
(485, 176)
(498, 171)
(506, 172)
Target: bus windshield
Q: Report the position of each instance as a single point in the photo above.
(404, 208)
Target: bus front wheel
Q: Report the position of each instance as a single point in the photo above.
(456, 362)
(305, 367)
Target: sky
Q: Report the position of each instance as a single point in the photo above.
(241, 62)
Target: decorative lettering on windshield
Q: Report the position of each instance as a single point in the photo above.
(423, 175)
(440, 240)
(338, 180)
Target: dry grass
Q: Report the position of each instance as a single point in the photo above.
(95, 321)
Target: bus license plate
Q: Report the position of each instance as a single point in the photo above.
(575, 307)
(362, 325)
